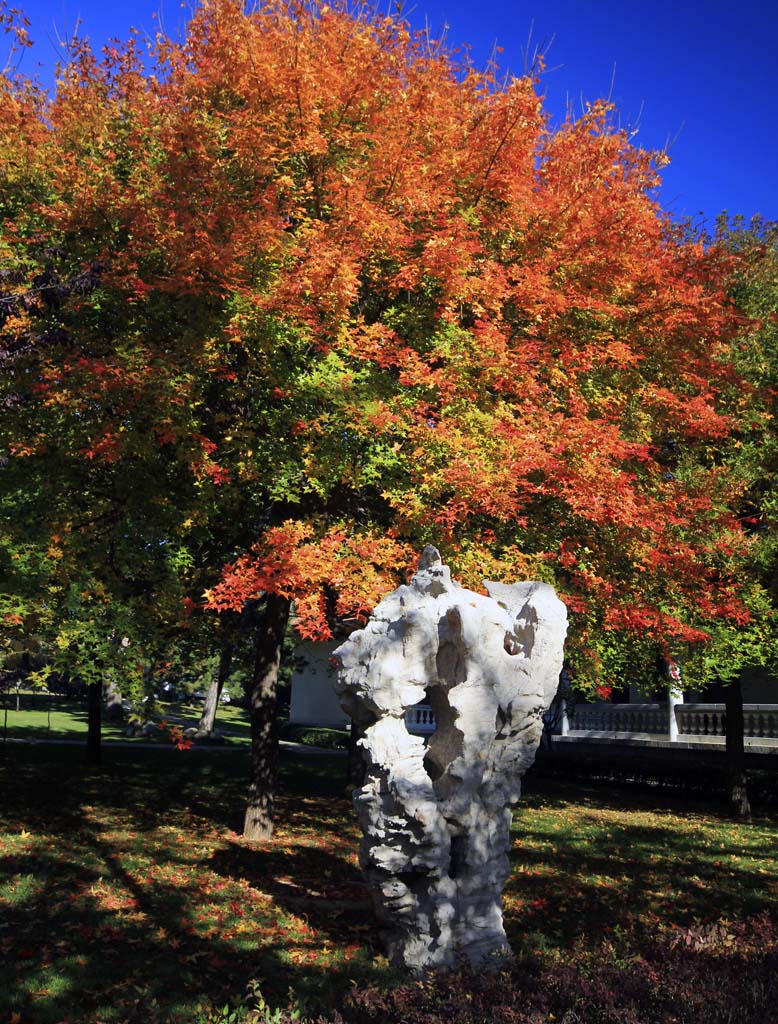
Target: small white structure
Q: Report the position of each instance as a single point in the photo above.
(313, 700)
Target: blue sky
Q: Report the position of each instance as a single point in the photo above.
(700, 78)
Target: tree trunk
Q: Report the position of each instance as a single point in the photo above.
(269, 642)
(208, 717)
(737, 783)
(114, 712)
(94, 705)
(24, 668)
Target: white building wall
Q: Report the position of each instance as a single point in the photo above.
(313, 700)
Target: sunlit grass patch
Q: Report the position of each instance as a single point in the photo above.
(582, 869)
(128, 894)
(151, 896)
(51, 717)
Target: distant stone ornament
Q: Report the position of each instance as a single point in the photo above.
(436, 817)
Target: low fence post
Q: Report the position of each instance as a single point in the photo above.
(674, 698)
(564, 720)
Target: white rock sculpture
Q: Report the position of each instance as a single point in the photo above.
(436, 817)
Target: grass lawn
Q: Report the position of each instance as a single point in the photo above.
(44, 717)
(127, 896)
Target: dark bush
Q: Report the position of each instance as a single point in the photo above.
(702, 975)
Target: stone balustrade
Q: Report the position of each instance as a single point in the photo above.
(704, 721)
(420, 720)
(619, 718)
(760, 721)
(670, 720)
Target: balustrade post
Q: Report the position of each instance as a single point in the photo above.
(674, 698)
(564, 720)
(672, 673)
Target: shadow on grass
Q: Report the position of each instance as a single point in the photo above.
(123, 901)
(142, 954)
(322, 887)
(126, 895)
(610, 863)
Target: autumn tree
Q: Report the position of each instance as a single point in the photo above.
(751, 453)
(304, 291)
(754, 451)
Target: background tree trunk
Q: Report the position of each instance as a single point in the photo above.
(94, 753)
(269, 643)
(208, 717)
(25, 668)
(737, 782)
(114, 712)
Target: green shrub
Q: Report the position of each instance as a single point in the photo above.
(253, 1010)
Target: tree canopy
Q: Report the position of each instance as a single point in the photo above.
(303, 291)
(750, 452)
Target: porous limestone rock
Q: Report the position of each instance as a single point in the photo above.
(436, 816)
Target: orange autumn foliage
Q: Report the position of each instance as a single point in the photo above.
(414, 297)
(351, 570)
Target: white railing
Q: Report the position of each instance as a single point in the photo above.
(760, 721)
(615, 718)
(675, 721)
(702, 719)
(420, 720)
